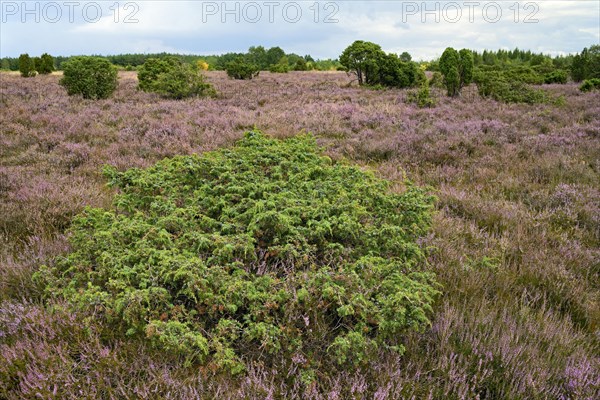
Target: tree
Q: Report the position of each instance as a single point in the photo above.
(361, 59)
(391, 71)
(457, 69)
(274, 54)
(300, 65)
(46, 64)
(92, 77)
(465, 67)
(171, 78)
(405, 57)
(26, 66)
(449, 63)
(281, 67)
(240, 68)
(578, 67)
(257, 55)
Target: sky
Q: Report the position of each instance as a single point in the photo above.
(322, 29)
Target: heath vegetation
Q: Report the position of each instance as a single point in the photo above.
(164, 248)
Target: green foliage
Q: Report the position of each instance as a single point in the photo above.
(457, 69)
(361, 59)
(281, 67)
(422, 98)
(92, 77)
(46, 64)
(497, 86)
(300, 65)
(586, 65)
(465, 67)
(263, 251)
(372, 66)
(437, 80)
(391, 71)
(26, 66)
(171, 78)
(558, 76)
(590, 84)
(239, 68)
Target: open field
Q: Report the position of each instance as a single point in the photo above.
(515, 242)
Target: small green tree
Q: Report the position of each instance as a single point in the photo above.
(457, 69)
(26, 66)
(449, 62)
(579, 66)
(361, 58)
(557, 76)
(91, 77)
(171, 78)
(46, 64)
(239, 68)
(281, 67)
(300, 65)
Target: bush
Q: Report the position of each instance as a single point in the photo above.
(300, 65)
(45, 65)
(173, 79)
(558, 76)
(437, 80)
(26, 66)
(590, 84)
(457, 69)
(91, 77)
(421, 98)
(279, 68)
(497, 86)
(267, 251)
(241, 69)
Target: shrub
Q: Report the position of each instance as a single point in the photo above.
(590, 84)
(91, 77)
(202, 65)
(300, 65)
(500, 88)
(391, 71)
(361, 59)
(241, 69)
(373, 67)
(437, 80)
(457, 69)
(422, 98)
(45, 65)
(171, 78)
(280, 68)
(265, 251)
(26, 66)
(558, 76)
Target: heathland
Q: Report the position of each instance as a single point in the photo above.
(515, 238)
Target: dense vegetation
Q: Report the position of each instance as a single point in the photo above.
(258, 55)
(91, 77)
(172, 78)
(265, 251)
(241, 68)
(372, 66)
(514, 244)
(26, 66)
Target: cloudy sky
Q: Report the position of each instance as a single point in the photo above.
(320, 28)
